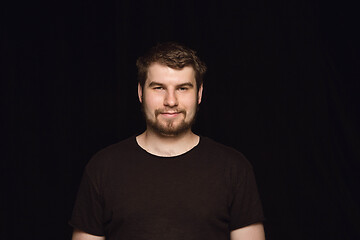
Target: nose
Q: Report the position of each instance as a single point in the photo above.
(170, 99)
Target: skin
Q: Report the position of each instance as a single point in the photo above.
(251, 232)
(81, 235)
(170, 99)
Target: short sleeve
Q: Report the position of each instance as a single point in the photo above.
(246, 206)
(88, 209)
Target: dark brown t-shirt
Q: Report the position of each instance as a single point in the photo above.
(127, 193)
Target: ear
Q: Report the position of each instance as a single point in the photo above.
(140, 92)
(200, 91)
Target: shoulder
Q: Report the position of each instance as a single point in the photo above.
(235, 165)
(224, 153)
(112, 155)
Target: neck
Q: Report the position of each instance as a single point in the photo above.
(167, 146)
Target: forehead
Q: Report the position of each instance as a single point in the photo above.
(164, 74)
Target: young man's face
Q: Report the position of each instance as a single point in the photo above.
(170, 99)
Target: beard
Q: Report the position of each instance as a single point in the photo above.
(170, 127)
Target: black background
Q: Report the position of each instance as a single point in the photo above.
(282, 87)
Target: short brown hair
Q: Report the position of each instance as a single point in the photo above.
(173, 55)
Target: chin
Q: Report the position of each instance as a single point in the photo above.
(170, 131)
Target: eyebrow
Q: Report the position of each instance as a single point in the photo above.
(187, 84)
(151, 84)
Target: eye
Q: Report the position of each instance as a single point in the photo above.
(183, 89)
(158, 88)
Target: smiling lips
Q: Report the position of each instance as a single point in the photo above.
(170, 114)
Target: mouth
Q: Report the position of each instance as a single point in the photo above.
(170, 114)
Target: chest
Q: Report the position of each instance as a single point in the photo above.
(187, 195)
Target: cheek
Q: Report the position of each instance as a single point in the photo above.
(151, 102)
(191, 101)
(191, 106)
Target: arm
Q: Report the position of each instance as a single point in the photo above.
(81, 235)
(251, 232)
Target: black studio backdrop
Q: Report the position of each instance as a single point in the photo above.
(282, 87)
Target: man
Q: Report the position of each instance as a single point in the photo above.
(168, 183)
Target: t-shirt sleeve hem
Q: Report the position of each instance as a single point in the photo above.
(237, 226)
(85, 229)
